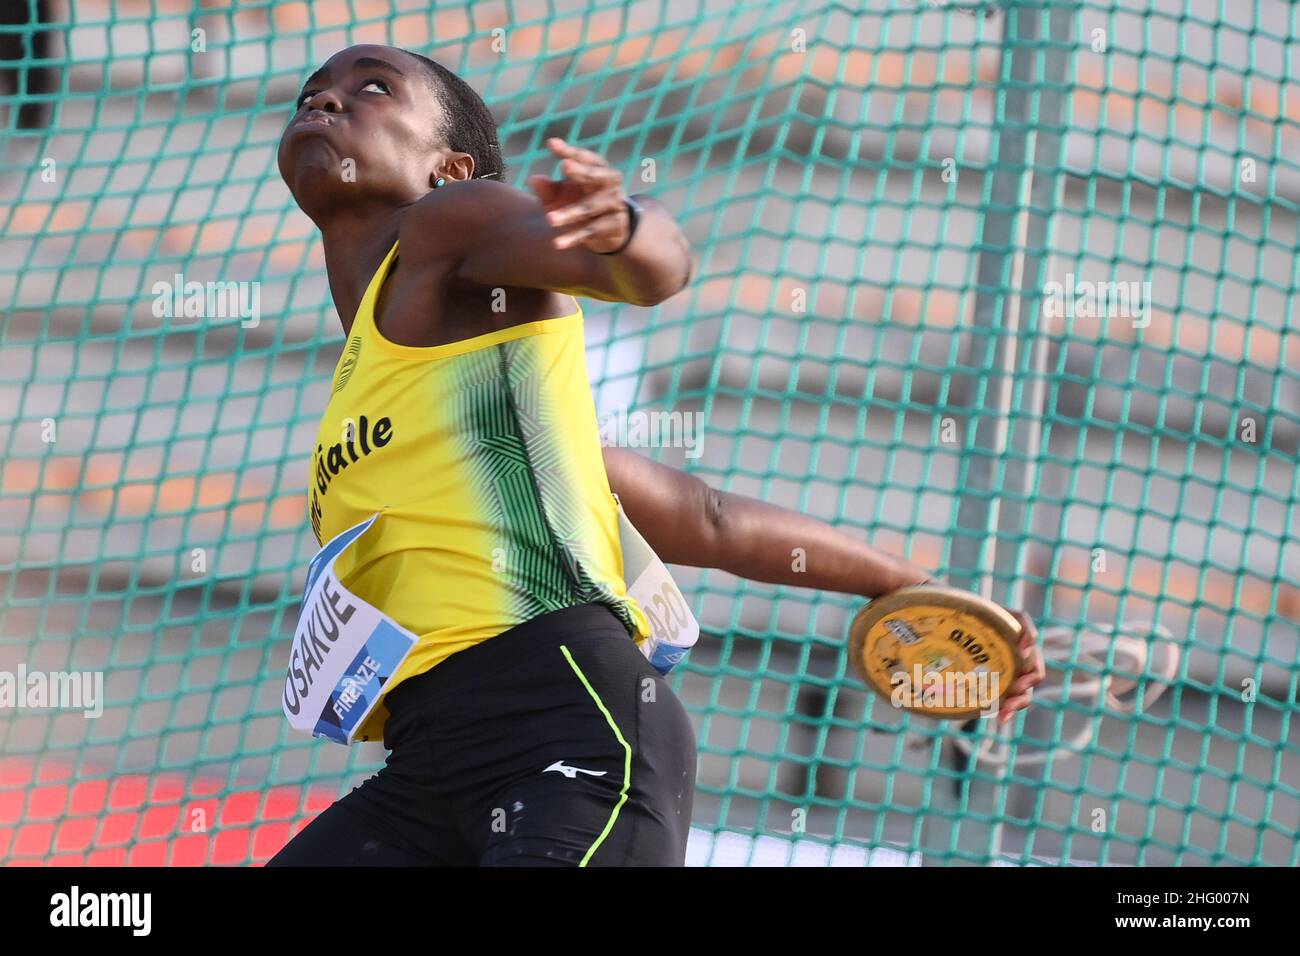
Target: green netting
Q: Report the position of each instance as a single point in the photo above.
(880, 201)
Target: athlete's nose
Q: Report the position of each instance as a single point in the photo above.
(326, 101)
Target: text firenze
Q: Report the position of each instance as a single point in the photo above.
(324, 622)
(328, 462)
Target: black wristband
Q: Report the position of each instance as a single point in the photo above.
(634, 219)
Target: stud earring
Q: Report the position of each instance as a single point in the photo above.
(440, 182)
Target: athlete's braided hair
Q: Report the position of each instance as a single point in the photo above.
(468, 126)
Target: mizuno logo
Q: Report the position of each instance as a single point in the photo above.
(572, 772)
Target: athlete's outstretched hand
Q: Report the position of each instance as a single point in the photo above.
(1022, 691)
(586, 206)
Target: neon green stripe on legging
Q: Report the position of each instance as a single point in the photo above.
(627, 755)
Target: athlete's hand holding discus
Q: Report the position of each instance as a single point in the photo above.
(1033, 668)
(928, 636)
(689, 523)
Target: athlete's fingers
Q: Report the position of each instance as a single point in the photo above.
(1023, 684)
(589, 175)
(582, 165)
(1021, 693)
(575, 236)
(1036, 667)
(1030, 651)
(1016, 700)
(601, 234)
(1030, 637)
(553, 193)
(585, 157)
(567, 150)
(599, 217)
(547, 190)
(573, 157)
(596, 204)
(561, 147)
(1011, 705)
(583, 234)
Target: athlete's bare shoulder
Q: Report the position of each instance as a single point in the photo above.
(448, 222)
(427, 301)
(489, 234)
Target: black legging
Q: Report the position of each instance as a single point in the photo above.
(553, 744)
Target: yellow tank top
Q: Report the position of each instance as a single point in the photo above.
(484, 458)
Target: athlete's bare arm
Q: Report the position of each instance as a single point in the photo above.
(688, 522)
(493, 235)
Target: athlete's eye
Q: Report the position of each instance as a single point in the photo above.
(383, 87)
(304, 96)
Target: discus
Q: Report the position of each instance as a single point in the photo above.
(937, 651)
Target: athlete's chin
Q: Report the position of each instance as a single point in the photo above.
(315, 184)
(309, 146)
(303, 148)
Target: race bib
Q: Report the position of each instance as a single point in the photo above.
(673, 629)
(344, 650)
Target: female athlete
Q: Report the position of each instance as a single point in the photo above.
(525, 727)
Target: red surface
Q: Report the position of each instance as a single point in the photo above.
(48, 818)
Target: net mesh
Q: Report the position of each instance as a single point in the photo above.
(876, 225)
